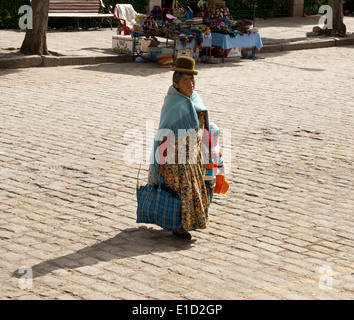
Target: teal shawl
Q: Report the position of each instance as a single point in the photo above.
(178, 112)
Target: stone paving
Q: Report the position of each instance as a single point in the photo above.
(69, 150)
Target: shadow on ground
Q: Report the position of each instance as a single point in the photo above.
(151, 68)
(99, 50)
(5, 72)
(294, 67)
(130, 242)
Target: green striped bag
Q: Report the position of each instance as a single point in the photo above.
(158, 206)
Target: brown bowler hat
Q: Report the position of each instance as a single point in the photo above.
(185, 65)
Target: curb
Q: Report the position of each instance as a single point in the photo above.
(303, 45)
(21, 62)
(55, 61)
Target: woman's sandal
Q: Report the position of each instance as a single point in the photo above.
(184, 235)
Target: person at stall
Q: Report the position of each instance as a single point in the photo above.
(177, 153)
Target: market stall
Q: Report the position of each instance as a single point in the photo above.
(227, 42)
(195, 29)
(228, 33)
(172, 46)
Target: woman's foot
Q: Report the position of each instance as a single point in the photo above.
(182, 233)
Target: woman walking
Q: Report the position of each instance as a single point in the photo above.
(177, 154)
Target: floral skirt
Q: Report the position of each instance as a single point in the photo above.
(187, 179)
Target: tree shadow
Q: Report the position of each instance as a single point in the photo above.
(129, 68)
(128, 243)
(151, 68)
(5, 72)
(348, 46)
(294, 67)
(8, 53)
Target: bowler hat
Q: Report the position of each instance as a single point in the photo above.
(185, 65)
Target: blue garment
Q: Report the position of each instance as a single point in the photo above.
(178, 112)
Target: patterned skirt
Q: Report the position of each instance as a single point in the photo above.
(187, 179)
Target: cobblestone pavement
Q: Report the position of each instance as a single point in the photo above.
(68, 178)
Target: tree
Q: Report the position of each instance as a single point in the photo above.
(35, 41)
(339, 28)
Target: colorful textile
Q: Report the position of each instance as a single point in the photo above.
(187, 180)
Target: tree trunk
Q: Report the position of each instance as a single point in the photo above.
(35, 41)
(339, 28)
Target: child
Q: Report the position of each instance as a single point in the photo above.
(214, 176)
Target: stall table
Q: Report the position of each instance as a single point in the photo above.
(221, 40)
(206, 43)
(239, 41)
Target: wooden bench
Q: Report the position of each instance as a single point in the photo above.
(80, 9)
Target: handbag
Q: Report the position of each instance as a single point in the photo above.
(158, 206)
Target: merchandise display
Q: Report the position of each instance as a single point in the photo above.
(198, 24)
(197, 20)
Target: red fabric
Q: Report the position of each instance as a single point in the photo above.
(163, 149)
(206, 140)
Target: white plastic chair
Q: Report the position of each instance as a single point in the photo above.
(126, 14)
